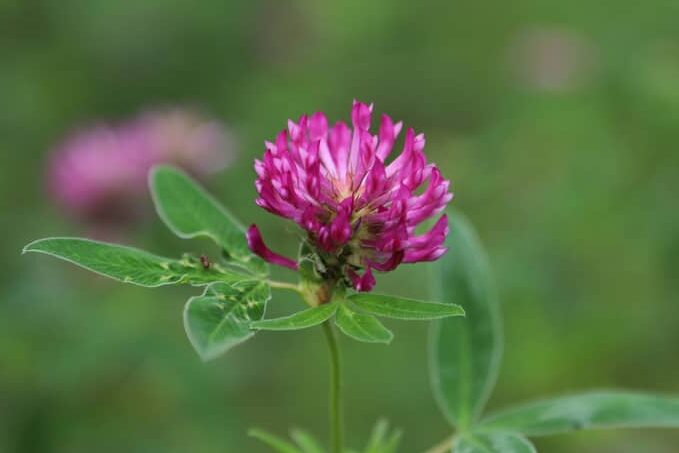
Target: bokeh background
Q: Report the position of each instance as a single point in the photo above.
(556, 121)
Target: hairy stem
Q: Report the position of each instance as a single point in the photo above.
(336, 417)
(284, 285)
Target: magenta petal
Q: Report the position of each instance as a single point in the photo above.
(318, 126)
(367, 281)
(340, 228)
(392, 263)
(360, 115)
(335, 183)
(363, 283)
(257, 246)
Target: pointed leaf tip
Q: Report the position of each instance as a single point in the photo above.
(128, 264)
(402, 308)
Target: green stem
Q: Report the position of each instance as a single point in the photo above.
(336, 418)
(284, 285)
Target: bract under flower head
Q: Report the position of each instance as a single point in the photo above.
(360, 210)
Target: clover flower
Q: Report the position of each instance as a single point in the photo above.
(360, 210)
(97, 174)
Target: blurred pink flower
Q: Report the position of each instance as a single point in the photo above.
(99, 175)
(552, 59)
(359, 211)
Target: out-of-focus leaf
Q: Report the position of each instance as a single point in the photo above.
(401, 308)
(222, 316)
(130, 265)
(382, 440)
(275, 442)
(189, 211)
(361, 327)
(493, 442)
(300, 320)
(608, 409)
(465, 353)
(306, 442)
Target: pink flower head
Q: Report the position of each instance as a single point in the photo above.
(359, 208)
(99, 174)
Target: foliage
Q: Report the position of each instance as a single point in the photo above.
(465, 360)
(465, 354)
(382, 440)
(237, 289)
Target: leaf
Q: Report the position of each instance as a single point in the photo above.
(307, 443)
(308, 262)
(381, 440)
(465, 353)
(275, 442)
(377, 435)
(189, 211)
(493, 442)
(400, 308)
(361, 327)
(595, 410)
(300, 320)
(220, 319)
(129, 265)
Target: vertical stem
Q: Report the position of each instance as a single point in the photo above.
(336, 417)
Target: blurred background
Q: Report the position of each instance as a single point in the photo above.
(556, 121)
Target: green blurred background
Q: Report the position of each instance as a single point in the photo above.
(556, 121)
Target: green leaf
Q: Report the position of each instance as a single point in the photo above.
(130, 265)
(400, 308)
(308, 262)
(465, 353)
(607, 409)
(300, 320)
(189, 211)
(493, 442)
(361, 327)
(307, 443)
(377, 435)
(275, 442)
(221, 318)
(381, 440)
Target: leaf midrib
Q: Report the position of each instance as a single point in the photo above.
(229, 312)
